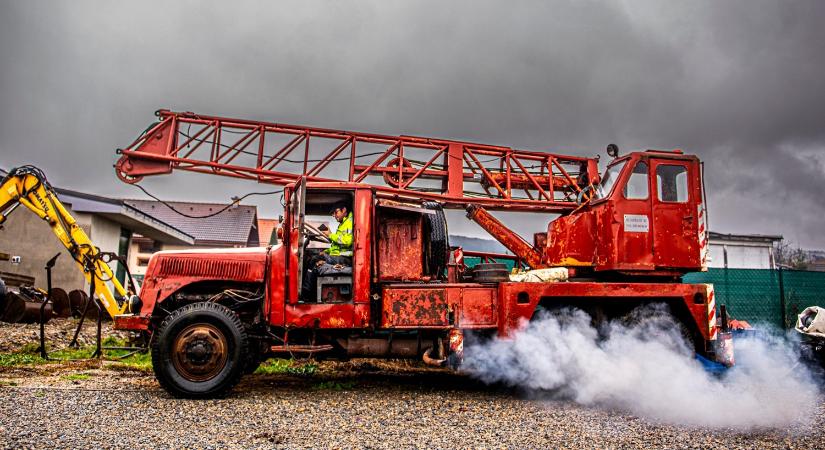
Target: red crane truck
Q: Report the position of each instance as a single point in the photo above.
(621, 239)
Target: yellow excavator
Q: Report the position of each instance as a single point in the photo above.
(28, 186)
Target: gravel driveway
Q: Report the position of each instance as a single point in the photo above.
(360, 404)
(371, 409)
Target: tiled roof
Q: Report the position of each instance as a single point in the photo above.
(235, 226)
(265, 227)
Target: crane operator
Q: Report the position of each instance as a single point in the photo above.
(338, 257)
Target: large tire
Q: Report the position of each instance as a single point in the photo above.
(200, 351)
(438, 250)
(490, 273)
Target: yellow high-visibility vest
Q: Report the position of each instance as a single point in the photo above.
(342, 238)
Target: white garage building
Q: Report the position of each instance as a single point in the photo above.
(742, 251)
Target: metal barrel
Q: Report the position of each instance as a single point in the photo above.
(20, 308)
(60, 302)
(31, 312)
(77, 300)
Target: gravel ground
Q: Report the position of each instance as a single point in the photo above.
(361, 404)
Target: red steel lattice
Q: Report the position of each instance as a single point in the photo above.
(453, 172)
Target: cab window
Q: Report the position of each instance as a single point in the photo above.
(637, 186)
(609, 180)
(671, 183)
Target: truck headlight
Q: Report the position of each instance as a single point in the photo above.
(135, 304)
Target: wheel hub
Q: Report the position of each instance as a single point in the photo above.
(200, 352)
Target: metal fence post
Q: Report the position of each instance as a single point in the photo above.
(783, 313)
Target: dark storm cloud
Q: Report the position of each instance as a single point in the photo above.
(737, 82)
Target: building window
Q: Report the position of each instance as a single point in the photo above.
(142, 262)
(148, 246)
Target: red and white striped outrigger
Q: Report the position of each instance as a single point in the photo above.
(720, 337)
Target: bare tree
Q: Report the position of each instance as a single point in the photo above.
(788, 256)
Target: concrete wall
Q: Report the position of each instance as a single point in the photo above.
(106, 236)
(26, 235)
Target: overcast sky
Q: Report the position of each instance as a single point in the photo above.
(739, 83)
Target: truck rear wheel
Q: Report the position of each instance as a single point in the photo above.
(200, 351)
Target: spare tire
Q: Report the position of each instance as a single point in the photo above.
(490, 273)
(437, 250)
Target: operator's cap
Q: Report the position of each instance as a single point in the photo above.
(338, 205)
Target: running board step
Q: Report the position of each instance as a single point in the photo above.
(300, 348)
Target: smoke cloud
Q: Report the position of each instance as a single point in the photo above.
(645, 367)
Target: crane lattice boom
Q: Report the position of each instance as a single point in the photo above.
(453, 172)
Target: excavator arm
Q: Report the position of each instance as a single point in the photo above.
(27, 186)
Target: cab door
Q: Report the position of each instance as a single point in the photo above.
(675, 221)
(632, 222)
(353, 313)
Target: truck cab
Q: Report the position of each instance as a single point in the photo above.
(646, 217)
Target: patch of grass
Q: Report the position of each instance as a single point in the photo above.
(70, 353)
(333, 385)
(286, 366)
(31, 347)
(19, 359)
(111, 341)
(76, 376)
(138, 361)
(273, 366)
(29, 355)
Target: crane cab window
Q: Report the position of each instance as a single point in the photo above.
(637, 185)
(609, 179)
(671, 183)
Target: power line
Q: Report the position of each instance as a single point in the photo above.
(235, 201)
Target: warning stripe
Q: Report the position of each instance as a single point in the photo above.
(703, 237)
(711, 312)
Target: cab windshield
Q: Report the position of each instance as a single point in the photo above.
(609, 180)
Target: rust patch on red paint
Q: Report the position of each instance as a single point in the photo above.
(415, 307)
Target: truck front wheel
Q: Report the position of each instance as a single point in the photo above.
(200, 351)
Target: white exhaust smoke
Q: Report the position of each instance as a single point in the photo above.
(649, 370)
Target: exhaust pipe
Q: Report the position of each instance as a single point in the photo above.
(430, 361)
(453, 354)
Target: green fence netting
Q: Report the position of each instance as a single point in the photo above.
(759, 296)
(802, 289)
